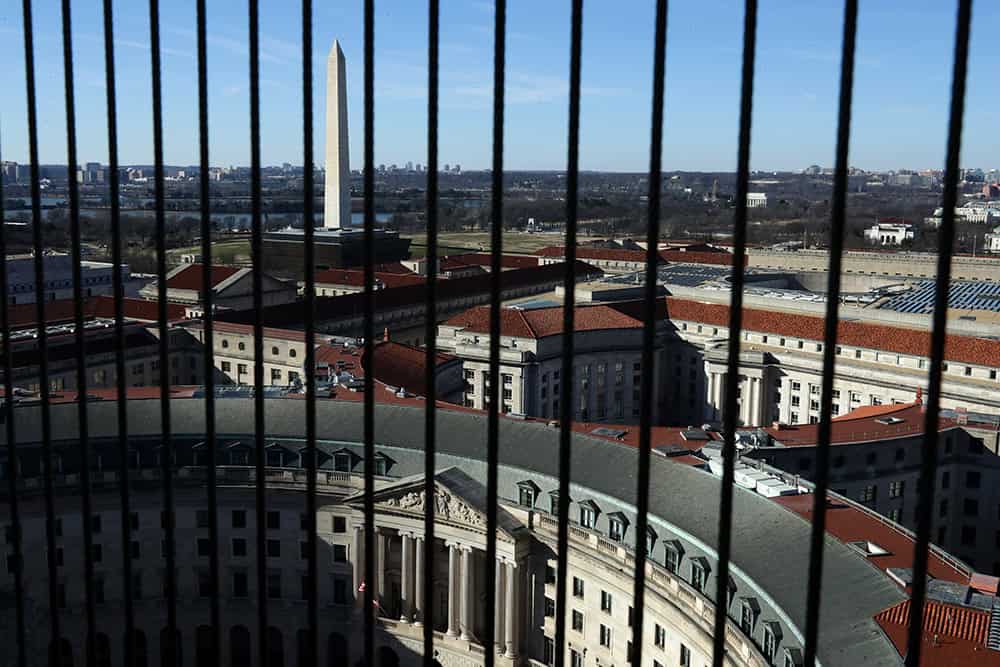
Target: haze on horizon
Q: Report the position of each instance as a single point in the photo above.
(902, 84)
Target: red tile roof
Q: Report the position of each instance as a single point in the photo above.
(860, 425)
(400, 365)
(191, 277)
(699, 257)
(963, 349)
(61, 311)
(142, 310)
(850, 523)
(953, 635)
(485, 259)
(356, 278)
(604, 254)
(542, 322)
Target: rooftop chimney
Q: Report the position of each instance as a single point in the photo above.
(385, 335)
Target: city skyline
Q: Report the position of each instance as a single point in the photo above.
(898, 118)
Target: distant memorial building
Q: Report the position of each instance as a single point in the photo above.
(337, 244)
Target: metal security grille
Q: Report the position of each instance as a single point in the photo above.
(262, 637)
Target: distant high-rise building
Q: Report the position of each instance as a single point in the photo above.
(447, 167)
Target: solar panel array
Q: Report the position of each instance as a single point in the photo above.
(966, 295)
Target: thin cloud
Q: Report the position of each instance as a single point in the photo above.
(237, 47)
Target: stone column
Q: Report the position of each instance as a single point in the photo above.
(357, 553)
(452, 590)
(501, 606)
(380, 558)
(717, 392)
(418, 581)
(405, 579)
(466, 622)
(512, 619)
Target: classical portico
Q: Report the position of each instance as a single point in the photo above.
(459, 560)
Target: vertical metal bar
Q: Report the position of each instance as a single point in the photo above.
(43, 354)
(839, 215)
(81, 357)
(496, 383)
(735, 325)
(310, 325)
(166, 438)
(369, 330)
(12, 462)
(946, 240)
(208, 337)
(430, 332)
(258, 332)
(119, 290)
(649, 330)
(568, 381)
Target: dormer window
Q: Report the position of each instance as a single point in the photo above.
(749, 611)
(650, 540)
(793, 658)
(673, 554)
(527, 493)
(554, 502)
(343, 461)
(239, 454)
(275, 456)
(382, 464)
(772, 637)
(588, 514)
(700, 570)
(617, 525)
(199, 454)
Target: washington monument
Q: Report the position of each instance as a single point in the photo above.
(337, 194)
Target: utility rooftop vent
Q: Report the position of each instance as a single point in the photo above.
(695, 434)
(888, 421)
(869, 549)
(609, 432)
(670, 450)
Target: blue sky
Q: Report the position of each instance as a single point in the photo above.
(901, 95)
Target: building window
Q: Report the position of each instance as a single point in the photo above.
(577, 620)
(970, 507)
(526, 495)
(896, 489)
(616, 529)
(685, 656)
(550, 574)
(606, 602)
(240, 589)
(549, 651)
(339, 553)
(673, 555)
(239, 519)
(226, 367)
(588, 516)
(973, 480)
(869, 494)
(771, 638)
(239, 547)
(699, 574)
(575, 659)
(274, 548)
(659, 636)
(605, 636)
(274, 585)
(550, 607)
(577, 587)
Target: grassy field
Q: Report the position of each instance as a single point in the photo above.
(223, 252)
(450, 243)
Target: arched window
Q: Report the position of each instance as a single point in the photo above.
(170, 652)
(275, 648)
(62, 653)
(140, 655)
(336, 650)
(102, 650)
(239, 646)
(305, 649)
(204, 645)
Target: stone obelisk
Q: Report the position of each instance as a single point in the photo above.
(337, 194)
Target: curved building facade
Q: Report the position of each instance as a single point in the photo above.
(767, 590)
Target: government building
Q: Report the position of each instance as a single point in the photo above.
(864, 607)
